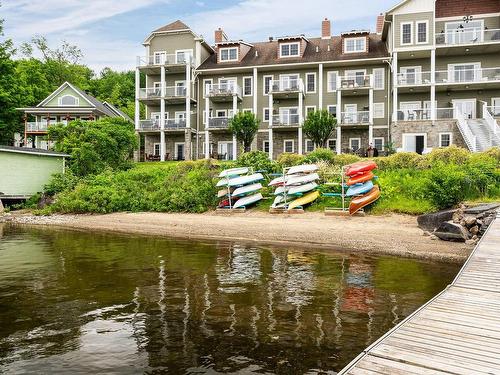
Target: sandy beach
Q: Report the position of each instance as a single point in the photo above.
(390, 234)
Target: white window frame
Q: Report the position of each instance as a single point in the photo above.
(228, 49)
(305, 145)
(176, 156)
(205, 81)
(401, 40)
(185, 51)
(382, 71)
(290, 50)
(448, 28)
(329, 79)
(495, 107)
(159, 53)
(159, 148)
(315, 83)
(332, 105)
(264, 145)
(77, 101)
(355, 39)
(251, 85)
(308, 107)
(245, 110)
(335, 145)
(264, 114)
(383, 142)
(177, 113)
(264, 84)
(217, 111)
(417, 23)
(382, 105)
(445, 133)
(354, 139)
(204, 113)
(403, 142)
(293, 145)
(418, 73)
(477, 71)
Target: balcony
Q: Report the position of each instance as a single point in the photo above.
(37, 127)
(153, 125)
(411, 79)
(355, 118)
(174, 62)
(424, 114)
(286, 120)
(223, 92)
(354, 82)
(471, 36)
(173, 94)
(218, 122)
(468, 76)
(286, 88)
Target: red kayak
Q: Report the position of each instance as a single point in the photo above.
(358, 203)
(360, 167)
(360, 178)
(225, 202)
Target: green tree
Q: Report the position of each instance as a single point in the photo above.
(318, 126)
(244, 126)
(95, 146)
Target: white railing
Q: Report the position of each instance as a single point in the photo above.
(175, 91)
(154, 124)
(149, 124)
(445, 113)
(150, 93)
(467, 36)
(490, 120)
(38, 126)
(477, 75)
(424, 114)
(463, 126)
(156, 92)
(285, 119)
(165, 59)
(286, 85)
(354, 81)
(223, 89)
(219, 122)
(414, 78)
(362, 117)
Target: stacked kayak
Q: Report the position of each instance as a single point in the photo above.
(239, 188)
(361, 187)
(296, 188)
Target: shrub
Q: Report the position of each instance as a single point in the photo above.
(345, 159)
(258, 160)
(494, 152)
(400, 160)
(288, 159)
(448, 155)
(60, 182)
(446, 185)
(323, 154)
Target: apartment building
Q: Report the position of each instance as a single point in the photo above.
(428, 77)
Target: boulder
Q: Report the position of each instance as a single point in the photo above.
(476, 210)
(470, 221)
(474, 230)
(430, 222)
(449, 231)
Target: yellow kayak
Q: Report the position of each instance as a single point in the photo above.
(302, 201)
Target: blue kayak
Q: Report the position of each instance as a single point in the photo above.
(359, 189)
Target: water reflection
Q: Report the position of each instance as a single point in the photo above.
(80, 303)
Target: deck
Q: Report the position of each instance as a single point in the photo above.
(457, 332)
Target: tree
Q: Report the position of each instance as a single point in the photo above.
(244, 126)
(95, 146)
(318, 126)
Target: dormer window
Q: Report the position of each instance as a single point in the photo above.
(68, 101)
(228, 54)
(354, 45)
(289, 49)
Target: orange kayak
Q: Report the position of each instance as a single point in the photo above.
(360, 178)
(360, 167)
(364, 200)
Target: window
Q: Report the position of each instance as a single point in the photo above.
(464, 72)
(247, 86)
(352, 45)
(332, 109)
(355, 78)
(406, 33)
(309, 145)
(288, 145)
(220, 113)
(160, 57)
(310, 109)
(247, 110)
(156, 149)
(267, 84)
(332, 144)
(379, 78)
(464, 33)
(378, 110)
(354, 144)
(444, 139)
(289, 115)
(289, 49)
(229, 54)
(183, 56)
(311, 82)
(332, 81)
(266, 115)
(68, 100)
(422, 32)
(411, 75)
(378, 143)
(207, 83)
(210, 112)
(265, 146)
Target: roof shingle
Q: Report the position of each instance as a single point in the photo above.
(174, 26)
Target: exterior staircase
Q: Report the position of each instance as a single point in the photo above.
(483, 133)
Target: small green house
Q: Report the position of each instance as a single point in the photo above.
(24, 171)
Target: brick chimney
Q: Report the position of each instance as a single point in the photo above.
(326, 29)
(380, 23)
(220, 36)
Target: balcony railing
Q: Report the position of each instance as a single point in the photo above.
(165, 59)
(358, 118)
(474, 75)
(219, 122)
(424, 114)
(285, 85)
(37, 126)
(286, 120)
(154, 124)
(223, 89)
(414, 78)
(468, 36)
(155, 92)
(354, 81)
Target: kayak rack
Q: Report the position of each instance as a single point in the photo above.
(340, 211)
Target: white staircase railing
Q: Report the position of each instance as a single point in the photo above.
(469, 137)
(490, 120)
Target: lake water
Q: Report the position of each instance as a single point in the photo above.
(75, 302)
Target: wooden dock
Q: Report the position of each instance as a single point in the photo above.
(457, 332)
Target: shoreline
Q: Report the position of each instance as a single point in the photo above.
(395, 235)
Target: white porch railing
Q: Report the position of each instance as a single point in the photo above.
(219, 122)
(424, 114)
(467, 36)
(285, 119)
(286, 85)
(355, 81)
(154, 124)
(223, 89)
(477, 75)
(355, 118)
(165, 59)
(463, 126)
(37, 126)
(414, 78)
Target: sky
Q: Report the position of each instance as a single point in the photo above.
(110, 32)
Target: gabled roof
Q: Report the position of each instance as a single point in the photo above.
(174, 26)
(117, 111)
(34, 151)
(58, 90)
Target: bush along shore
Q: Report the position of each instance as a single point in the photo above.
(410, 183)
